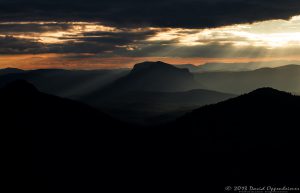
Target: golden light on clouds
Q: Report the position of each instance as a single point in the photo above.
(264, 41)
(273, 33)
(75, 30)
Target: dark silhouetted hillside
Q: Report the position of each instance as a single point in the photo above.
(263, 120)
(20, 100)
(5, 71)
(58, 137)
(60, 145)
(284, 78)
(252, 139)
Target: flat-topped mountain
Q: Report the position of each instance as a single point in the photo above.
(155, 76)
(153, 89)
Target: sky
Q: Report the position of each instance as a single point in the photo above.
(90, 34)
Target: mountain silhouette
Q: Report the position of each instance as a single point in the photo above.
(152, 89)
(5, 71)
(264, 119)
(77, 84)
(238, 138)
(69, 146)
(59, 138)
(284, 78)
(157, 77)
(72, 147)
(20, 98)
(60, 145)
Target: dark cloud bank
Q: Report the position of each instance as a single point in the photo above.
(100, 42)
(126, 15)
(160, 13)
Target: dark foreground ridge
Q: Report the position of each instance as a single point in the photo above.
(75, 148)
(265, 119)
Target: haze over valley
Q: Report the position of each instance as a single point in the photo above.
(153, 90)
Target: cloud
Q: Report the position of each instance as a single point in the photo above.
(11, 45)
(133, 44)
(20, 28)
(157, 13)
(96, 42)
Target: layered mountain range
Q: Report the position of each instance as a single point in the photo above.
(153, 92)
(70, 144)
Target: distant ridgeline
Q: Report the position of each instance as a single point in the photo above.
(155, 92)
(157, 76)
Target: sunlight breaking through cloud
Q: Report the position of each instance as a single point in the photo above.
(270, 34)
(275, 39)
